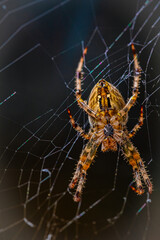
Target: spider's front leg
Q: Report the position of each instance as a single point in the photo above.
(79, 77)
(137, 126)
(84, 163)
(134, 159)
(135, 91)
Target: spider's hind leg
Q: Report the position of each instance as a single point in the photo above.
(86, 158)
(133, 156)
(80, 164)
(76, 176)
(77, 196)
(145, 175)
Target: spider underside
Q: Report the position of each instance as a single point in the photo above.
(108, 115)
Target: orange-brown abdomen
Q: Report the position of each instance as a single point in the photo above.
(105, 100)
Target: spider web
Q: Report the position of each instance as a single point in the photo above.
(40, 46)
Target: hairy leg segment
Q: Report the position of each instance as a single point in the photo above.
(139, 169)
(138, 125)
(77, 127)
(84, 163)
(135, 91)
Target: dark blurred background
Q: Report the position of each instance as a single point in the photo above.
(40, 45)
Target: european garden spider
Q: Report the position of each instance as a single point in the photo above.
(108, 115)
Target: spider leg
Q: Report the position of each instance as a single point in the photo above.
(79, 77)
(85, 166)
(77, 127)
(81, 161)
(138, 125)
(136, 174)
(135, 91)
(86, 158)
(134, 159)
(77, 196)
(144, 174)
(76, 175)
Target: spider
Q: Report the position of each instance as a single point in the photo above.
(108, 115)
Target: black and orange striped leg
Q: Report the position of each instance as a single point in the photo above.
(79, 77)
(82, 179)
(76, 175)
(138, 125)
(145, 176)
(139, 170)
(135, 91)
(81, 161)
(77, 127)
(128, 153)
(86, 158)
(137, 178)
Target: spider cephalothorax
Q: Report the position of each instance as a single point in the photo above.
(108, 130)
(108, 115)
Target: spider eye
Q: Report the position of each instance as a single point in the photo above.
(102, 83)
